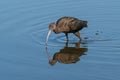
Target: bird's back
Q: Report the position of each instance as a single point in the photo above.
(69, 24)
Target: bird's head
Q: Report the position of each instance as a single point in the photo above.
(52, 27)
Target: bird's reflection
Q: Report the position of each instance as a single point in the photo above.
(67, 55)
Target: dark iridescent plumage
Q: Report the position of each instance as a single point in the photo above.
(67, 25)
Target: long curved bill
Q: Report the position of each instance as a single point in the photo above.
(49, 32)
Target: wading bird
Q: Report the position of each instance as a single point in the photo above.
(67, 25)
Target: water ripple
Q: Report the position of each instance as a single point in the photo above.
(24, 26)
(28, 19)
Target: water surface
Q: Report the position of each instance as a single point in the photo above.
(23, 29)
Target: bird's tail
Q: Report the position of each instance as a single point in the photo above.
(85, 23)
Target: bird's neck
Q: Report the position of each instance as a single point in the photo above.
(56, 30)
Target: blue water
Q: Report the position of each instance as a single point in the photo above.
(23, 29)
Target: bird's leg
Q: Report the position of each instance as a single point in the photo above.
(77, 45)
(66, 45)
(66, 34)
(78, 35)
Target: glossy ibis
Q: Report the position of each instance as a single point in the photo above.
(67, 25)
